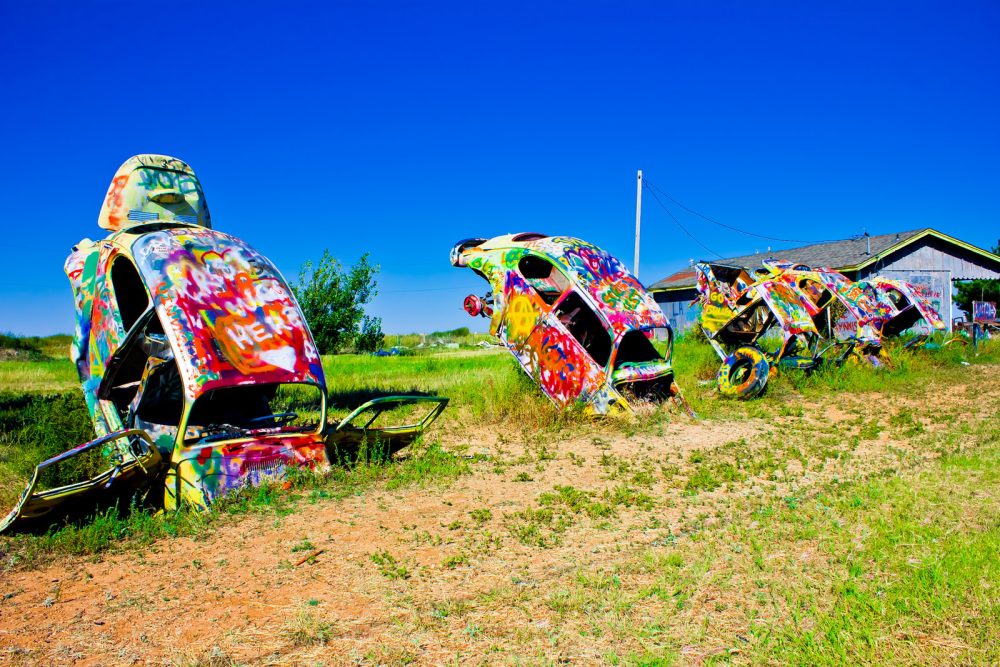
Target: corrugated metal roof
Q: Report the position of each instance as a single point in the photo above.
(839, 255)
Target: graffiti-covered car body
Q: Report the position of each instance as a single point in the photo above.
(574, 317)
(842, 310)
(198, 369)
(755, 323)
(903, 308)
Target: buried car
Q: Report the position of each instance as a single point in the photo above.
(903, 308)
(757, 324)
(575, 319)
(842, 310)
(198, 368)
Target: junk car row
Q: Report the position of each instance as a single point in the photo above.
(201, 375)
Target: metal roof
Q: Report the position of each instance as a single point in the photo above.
(847, 255)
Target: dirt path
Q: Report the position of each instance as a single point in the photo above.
(453, 582)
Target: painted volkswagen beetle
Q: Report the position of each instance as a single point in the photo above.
(575, 319)
(844, 311)
(198, 368)
(755, 323)
(904, 308)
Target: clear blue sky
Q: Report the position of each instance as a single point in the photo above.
(399, 128)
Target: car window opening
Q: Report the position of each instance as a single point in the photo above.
(897, 298)
(144, 365)
(585, 326)
(748, 326)
(818, 293)
(249, 408)
(636, 348)
(544, 278)
(129, 292)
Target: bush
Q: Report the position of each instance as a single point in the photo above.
(333, 301)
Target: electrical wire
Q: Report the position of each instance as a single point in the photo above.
(678, 222)
(650, 186)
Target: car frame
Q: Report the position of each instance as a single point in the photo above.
(756, 324)
(198, 368)
(577, 321)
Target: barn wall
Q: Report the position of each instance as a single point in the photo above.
(932, 254)
(676, 306)
(934, 264)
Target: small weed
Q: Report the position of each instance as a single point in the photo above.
(307, 628)
(452, 562)
(304, 545)
(389, 566)
(481, 515)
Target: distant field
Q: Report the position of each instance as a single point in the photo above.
(847, 517)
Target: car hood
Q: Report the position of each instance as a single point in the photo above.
(229, 315)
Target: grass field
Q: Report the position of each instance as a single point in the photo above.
(847, 517)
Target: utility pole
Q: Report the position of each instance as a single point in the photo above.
(638, 217)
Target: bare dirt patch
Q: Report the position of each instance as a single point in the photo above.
(555, 548)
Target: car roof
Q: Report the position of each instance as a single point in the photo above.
(618, 296)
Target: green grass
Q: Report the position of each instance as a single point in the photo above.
(35, 427)
(35, 347)
(485, 386)
(924, 582)
(389, 566)
(43, 375)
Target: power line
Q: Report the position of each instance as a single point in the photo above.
(431, 289)
(730, 227)
(678, 222)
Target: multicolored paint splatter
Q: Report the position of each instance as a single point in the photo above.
(842, 309)
(902, 307)
(148, 188)
(574, 317)
(789, 315)
(755, 323)
(197, 365)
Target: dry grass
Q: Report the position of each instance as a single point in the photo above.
(808, 527)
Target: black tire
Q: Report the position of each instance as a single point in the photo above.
(744, 373)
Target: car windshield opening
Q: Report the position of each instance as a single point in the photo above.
(585, 326)
(748, 326)
(817, 292)
(640, 346)
(246, 409)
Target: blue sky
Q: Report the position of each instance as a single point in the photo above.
(399, 128)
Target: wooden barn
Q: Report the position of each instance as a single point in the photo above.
(923, 257)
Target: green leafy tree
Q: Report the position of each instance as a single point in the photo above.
(978, 290)
(333, 302)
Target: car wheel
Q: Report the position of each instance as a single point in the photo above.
(744, 373)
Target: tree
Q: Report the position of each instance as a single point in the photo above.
(978, 290)
(333, 302)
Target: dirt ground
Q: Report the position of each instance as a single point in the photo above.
(424, 575)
